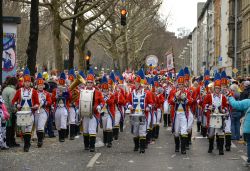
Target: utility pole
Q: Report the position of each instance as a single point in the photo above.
(235, 34)
(1, 42)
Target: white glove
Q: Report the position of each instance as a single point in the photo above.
(99, 108)
(130, 107)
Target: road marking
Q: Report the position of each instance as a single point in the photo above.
(244, 158)
(233, 145)
(200, 137)
(93, 160)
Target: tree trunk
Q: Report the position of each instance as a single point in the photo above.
(33, 38)
(72, 38)
(1, 42)
(81, 60)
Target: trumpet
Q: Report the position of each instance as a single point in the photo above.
(72, 87)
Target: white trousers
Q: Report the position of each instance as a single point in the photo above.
(213, 131)
(166, 107)
(190, 121)
(40, 120)
(89, 125)
(72, 115)
(117, 118)
(107, 122)
(139, 130)
(61, 115)
(149, 120)
(157, 117)
(180, 125)
(228, 125)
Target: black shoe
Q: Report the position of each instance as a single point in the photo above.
(26, 138)
(136, 143)
(177, 144)
(15, 145)
(5, 148)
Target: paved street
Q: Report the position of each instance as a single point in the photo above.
(160, 156)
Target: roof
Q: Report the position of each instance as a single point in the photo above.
(204, 9)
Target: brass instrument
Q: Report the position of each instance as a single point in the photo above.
(75, 92)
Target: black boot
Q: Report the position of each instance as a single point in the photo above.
(169, 119)
(228, 142)
(72, 131)
(136, 142)
(105, 137)
(110, 138)
(211, 144)
(198, 126)
(183, 144)
(221, 145)
(157, 131)
(142, 144)
(40, 135)
(66, 132)
(190, 138)
(165, 119)
(121, 126)
(177, 144)
(217, 142)
(86, 141)
(26, 137)
(63, 133)
(115, 133)
(204, 131)
(148, 137)
(92, 143)
(59, 135)
(154, 133)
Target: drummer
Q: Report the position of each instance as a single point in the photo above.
(42, 113)
(214, 102)
(140, 103)
(26, 99)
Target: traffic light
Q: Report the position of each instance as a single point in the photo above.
(123, 17)
(87, 58)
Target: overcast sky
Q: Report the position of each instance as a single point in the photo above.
(183, 13)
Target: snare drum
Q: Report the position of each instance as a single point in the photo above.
(24, 118)
(216, 120)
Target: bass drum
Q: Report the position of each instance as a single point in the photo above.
(86, 102)
(216, 120)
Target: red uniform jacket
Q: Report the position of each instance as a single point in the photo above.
(159, 101)
(173, 104)
(148, 100)
(68, 99)
(18, 96)
(208, 101)
(98, 100)
(111, 104)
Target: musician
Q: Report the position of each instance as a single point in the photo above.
(167, 86)
(90, 123)
(215, 102)
(73, 106)
(140, 102)
(158, 107)
(180, 99)
(190, 115)
(107, 113)
(227, 130)
(42, 113)
(61, 97)
(26, 99)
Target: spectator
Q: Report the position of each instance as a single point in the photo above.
(236, 115)
(244, 105)
(246, 90)
(8, 94)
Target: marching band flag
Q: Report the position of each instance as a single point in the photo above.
(169, 57)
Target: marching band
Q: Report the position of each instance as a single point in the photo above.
(78, 103)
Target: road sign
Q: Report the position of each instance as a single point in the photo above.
(235, 70)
